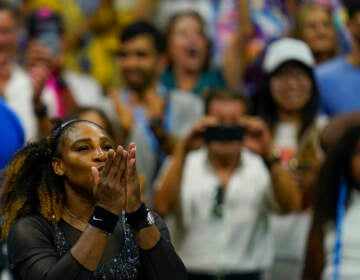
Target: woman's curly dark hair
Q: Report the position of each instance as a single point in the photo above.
(30, 185)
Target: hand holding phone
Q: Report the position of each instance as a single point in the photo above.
(258, 136)
(224, 133)
(51, 41)
(46, 26)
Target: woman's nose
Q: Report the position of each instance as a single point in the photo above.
(100, 155)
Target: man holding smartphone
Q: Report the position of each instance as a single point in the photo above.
(221, 186)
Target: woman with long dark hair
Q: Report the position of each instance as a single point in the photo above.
(333, 246)
(288, 102)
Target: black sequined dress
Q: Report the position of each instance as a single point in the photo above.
(39, 250)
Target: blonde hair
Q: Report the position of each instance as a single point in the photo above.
(302, 11)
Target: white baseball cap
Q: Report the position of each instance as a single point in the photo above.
(284, 50)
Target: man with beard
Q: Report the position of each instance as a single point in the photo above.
(140, 106)
(339, 79)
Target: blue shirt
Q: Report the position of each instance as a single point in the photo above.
(12, 134)
(339, 85)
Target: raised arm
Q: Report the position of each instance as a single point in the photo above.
(287, 195)
(168, 190)
(38, 65)
(234, 58)
(286, 191)
(123, 114)
(336, 127)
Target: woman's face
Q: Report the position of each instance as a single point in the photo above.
(355, 163)
(318, 30)
(84, 145)
(188, 47)
(291, 87)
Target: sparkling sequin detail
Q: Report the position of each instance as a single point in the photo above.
(124, 266)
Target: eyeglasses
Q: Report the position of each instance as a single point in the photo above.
(218, 207)
(299, 76)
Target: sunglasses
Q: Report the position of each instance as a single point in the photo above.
(218, 207)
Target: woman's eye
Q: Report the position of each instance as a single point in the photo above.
(82, 148)
(107, 147)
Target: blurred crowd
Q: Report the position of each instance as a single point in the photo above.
(271, 191)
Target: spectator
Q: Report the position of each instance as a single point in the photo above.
(167, 8)
(58, 90)
(288, 102)
(78, 201)
(221, 194)
(11, 21)
(314, 25)
(270, 20)
(336, 127)
(15, 84)
(189, 61)
(140, 106)
(334, 237)
(339, 78)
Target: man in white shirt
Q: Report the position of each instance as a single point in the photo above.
(221, 194)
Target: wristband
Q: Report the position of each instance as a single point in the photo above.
(103, 219)
(141, 218)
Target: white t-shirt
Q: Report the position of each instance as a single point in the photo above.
(238, 242)
(285, 142)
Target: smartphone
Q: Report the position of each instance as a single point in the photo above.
(224, 133)
(46, 27)
(50, 40)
